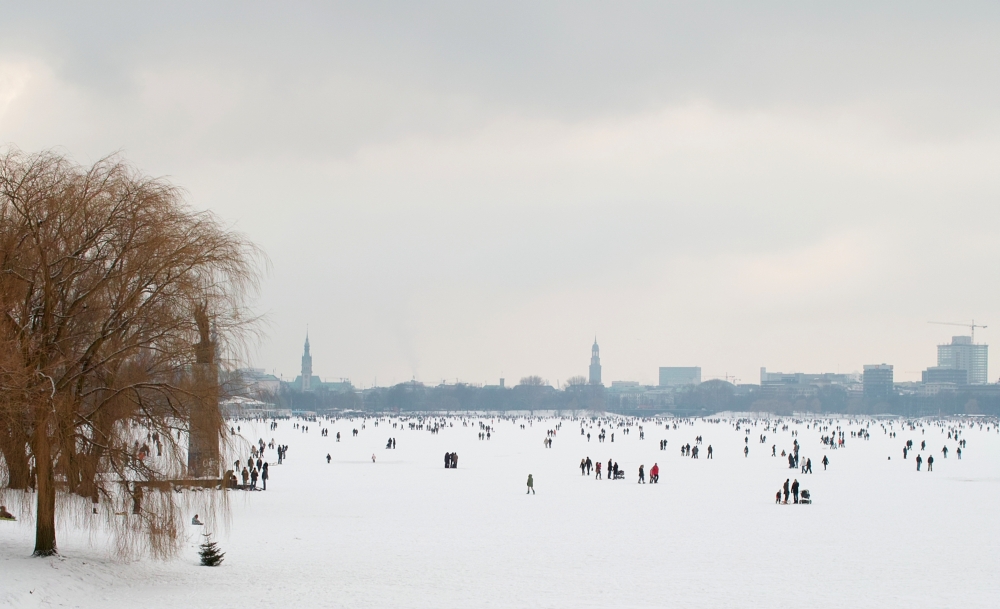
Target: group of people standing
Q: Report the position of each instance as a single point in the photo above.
(692, 451)
(654, 474)
(250, 473)
(614, 473)
(793, 489)
(450, 460)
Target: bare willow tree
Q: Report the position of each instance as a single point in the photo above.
(116, 300)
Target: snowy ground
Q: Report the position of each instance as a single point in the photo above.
(405, 532)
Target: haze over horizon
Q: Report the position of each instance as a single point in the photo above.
(455, 191)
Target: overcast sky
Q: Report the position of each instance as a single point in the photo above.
(471, 190)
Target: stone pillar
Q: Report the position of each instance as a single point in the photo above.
(205, 421)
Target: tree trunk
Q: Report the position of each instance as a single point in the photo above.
(45, 518)
(12, 449)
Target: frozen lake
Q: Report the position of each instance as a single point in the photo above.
(405, 532)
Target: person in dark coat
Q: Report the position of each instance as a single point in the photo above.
(795, 491)
(784, 487)
(531, 485)
(263, 476)
(825, 462)
(930, 463)
(919, 462)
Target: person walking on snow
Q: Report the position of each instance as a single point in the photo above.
(825, 462)
(531, 485)
(795, 491)
(642, 475)
(930, 463)
(784, 487)
(919, 462)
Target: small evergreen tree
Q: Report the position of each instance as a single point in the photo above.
(210, 554)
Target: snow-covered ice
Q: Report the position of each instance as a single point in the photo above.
(405, 532)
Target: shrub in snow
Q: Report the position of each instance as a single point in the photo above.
(210, 554)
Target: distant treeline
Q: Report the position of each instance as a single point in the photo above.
(707, 398)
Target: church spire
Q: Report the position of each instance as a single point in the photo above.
(595, 364)
(307, 365)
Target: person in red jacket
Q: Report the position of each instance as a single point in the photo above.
(654, 474)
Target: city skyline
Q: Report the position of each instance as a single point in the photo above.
(946, 359)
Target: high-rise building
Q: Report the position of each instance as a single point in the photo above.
(877, 381)
(674, 376)
(595, 364)
(307, 367)
(963, 354)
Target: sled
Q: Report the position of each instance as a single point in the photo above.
(620, 475)
(11, 519)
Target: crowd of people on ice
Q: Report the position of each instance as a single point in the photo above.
(254, 468)
(832, 437)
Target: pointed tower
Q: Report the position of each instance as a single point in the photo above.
(307, 367)
(595, 364)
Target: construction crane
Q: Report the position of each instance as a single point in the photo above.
(972, 327)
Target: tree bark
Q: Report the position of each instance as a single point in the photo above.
(12, 449)
(45, 518)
